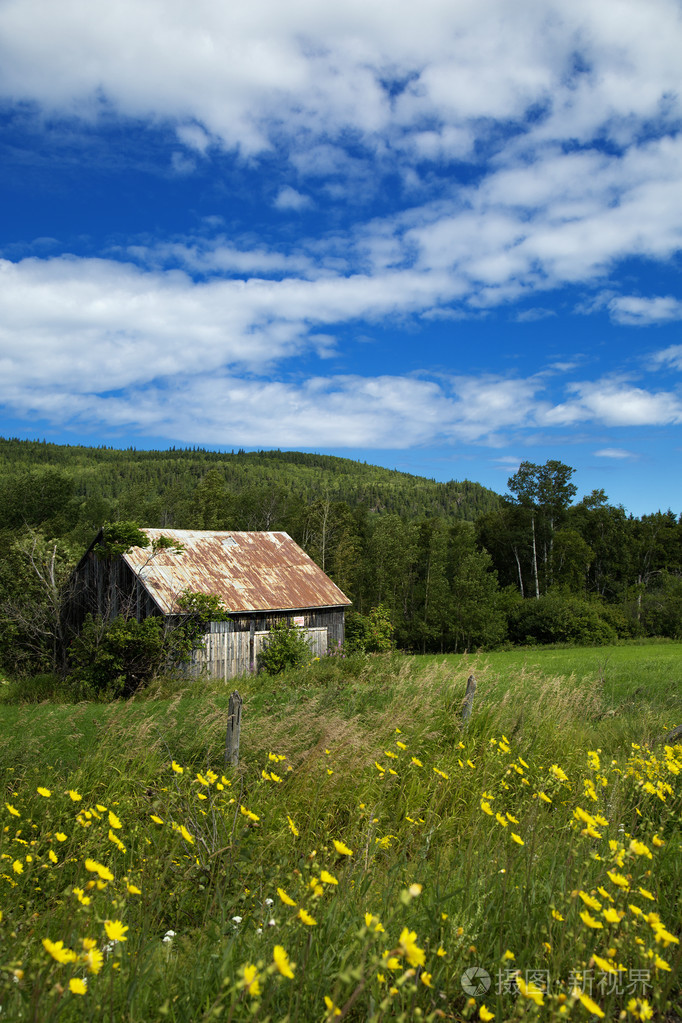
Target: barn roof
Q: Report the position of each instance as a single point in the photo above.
(248, 571)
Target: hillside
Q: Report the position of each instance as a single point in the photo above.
(160, 487)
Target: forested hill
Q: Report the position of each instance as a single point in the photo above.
(446, 565)
(255, 490)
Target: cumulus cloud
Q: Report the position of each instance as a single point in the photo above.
(289, 199)
(567, 114)
(643, 312)
(616, 403)
(422, 74)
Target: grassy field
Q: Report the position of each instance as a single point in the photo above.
(366, 852)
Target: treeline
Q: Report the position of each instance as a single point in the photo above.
(454, 566)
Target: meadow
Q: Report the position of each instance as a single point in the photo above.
(370, 858)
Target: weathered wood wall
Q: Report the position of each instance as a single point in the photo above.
(226, 654)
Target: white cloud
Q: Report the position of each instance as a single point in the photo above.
(635, 311)
(72, 330)
(194, 137)
(242, 72)
(671, 356)
(618, 453)
(289, 199)
(616, 403)
(312, 84)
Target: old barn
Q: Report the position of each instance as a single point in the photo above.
(261, 579)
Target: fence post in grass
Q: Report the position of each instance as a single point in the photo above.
(468, 704)
(234, 723)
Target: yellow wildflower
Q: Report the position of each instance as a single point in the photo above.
(248, 813)
(485, 1014)
(282, 963)
(292, 827)
(618, 879)
(426, 978)
(589, 900)
(604, 965)
(58, 952)
(75, 796)
(508, 955)
(98, 868)
(12, 810)
(93, 959)
(115, 930)
(332, 1010)
(286, 899)
(77, 986)
(589, 1004)
(611, 915)
(640, 849)
(485, 806)
(589, 921)
(530, 990)
(116, 840)
(306, 918)
(408, 947)
(327, 877)
(114, 822)
(84, 900)
(250, 979)
(53, 856)
(517, 838)
(341, 848)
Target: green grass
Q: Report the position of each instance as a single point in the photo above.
(638, 686)
(332, 724)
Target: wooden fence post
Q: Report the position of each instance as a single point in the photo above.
(234, 723)
(468, 704)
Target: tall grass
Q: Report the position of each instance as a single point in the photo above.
(493, 846)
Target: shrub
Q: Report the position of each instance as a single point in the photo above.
(372, 633)
(285, 647)
(560, 618)
(120, 656)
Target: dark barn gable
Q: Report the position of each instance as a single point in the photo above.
(261, 579)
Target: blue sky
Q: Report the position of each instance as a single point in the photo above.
(441, 237)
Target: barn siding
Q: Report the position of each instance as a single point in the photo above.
(232, 648)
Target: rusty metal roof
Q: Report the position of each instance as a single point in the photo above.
(248, 571)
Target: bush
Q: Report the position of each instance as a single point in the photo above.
(285, 647)
(560, 618)
(372, 633)
(120, 656)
